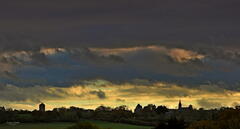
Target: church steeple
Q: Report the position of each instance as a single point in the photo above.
(179, 105)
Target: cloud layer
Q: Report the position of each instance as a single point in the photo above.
(101, 92)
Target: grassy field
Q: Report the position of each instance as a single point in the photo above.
(65, 125)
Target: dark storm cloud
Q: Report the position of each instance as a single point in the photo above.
(37, 94)
(33, 94)
(43, 67)
(17, 41)
(108, 23)
(100, 94)
(185, 28)
(62, 8)
(138, 65)
(230, 53)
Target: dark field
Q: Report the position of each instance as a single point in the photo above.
(65, 125)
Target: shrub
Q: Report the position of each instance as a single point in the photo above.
(173, 123)
(203, 125)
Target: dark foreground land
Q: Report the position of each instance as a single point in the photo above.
(64, 125)
(148, 117)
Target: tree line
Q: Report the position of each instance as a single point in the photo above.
(73, 114)
(158, 116)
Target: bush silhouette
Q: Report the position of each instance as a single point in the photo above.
(172, 124)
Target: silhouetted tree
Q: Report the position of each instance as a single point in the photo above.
(173, 123)
(138, 109)
(161, 109)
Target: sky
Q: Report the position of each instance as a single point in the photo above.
(119, 52)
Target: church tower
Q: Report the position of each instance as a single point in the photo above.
(179, 105)
(42, 107)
